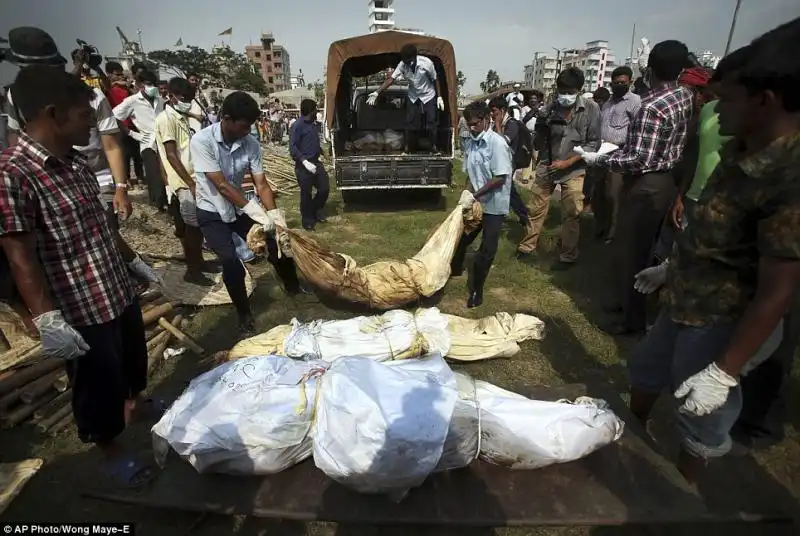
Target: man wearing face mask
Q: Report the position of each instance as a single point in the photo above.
(173, 137)
(653, 147)
(616, 116)
(489, 167)
(143, 107)
(570, 122)
(423, 88)
(222, 153)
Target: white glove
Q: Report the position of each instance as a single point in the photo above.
(258, 215)
(467, 199)
(309, 166)
(135, 135)
(276, 215)
(59, 339)
(440, 103)
(706, 391)
(650, 279)
(144, 270)
(372, 98)
(590, 158)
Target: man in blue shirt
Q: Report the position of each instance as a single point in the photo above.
(488, 165)
(305, 149)
(222, 153)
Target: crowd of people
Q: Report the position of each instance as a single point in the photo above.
(74, 138)
(696, 194)
(698, 197)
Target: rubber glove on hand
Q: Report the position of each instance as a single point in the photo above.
(590, 158)
(372, 98)
(440, 103)
(706, 391)
(466, 200)
(59, 339)
(277, 217)
(650, 279)
(144, 270)
(309, 166)
(285, 244)
(257, 213)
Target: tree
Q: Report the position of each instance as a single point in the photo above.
(224, 67)
(180, 62)
(319, 92)
(492, 81)
(461, 81)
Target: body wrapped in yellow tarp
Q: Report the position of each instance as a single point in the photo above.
(386, 284)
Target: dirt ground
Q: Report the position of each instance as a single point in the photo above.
(573, 350)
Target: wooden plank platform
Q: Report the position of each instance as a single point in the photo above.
(624, 483)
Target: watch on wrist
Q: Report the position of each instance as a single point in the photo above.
(121, 186)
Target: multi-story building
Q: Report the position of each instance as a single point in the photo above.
(272, 62)
(381, 15)
(541, 73)
(595, 60)
(707, 59)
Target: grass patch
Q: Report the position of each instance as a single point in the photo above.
(394, 227)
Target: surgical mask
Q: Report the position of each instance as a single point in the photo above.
(151, 91)
(567, 101)
(183, 107)
(619, 90)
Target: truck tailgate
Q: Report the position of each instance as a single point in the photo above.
(393, 172)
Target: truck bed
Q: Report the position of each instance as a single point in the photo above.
(393, 171)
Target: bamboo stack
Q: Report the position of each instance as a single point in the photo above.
(39, 392)
(279, 170)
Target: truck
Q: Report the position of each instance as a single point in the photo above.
(367, 141)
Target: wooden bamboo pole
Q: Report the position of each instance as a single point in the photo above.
(158, 339)
(45, 424)
(37, 388)
(182, 337)
(28, 374)
(62, 383)
(60, 425)
(52, 406)
(157, 312)
(26, 410)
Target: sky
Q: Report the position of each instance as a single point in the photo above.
(486, 35)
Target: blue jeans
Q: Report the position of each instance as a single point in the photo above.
(673, 352)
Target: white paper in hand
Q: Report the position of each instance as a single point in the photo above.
(605, 148)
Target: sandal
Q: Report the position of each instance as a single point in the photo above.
(129, 472)
(149, 409)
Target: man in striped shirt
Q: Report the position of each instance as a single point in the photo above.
(653, 146)
(617, 114)
(65, 261)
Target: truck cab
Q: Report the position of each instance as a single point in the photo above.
(367, 142)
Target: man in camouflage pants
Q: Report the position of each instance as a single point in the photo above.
(736, 266)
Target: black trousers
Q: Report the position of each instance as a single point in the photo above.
(156, 191)
(112, 371)
(518, 206)
(312, 203)
(642, 212)
(133, 154)
(490, 227)
(421, 117)
(219, 237)
(606, 197)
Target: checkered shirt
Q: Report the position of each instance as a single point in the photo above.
(57, 201)
(658, 133)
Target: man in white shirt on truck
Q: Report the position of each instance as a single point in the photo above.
(424, 96)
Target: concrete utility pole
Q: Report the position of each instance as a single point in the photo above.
(633, 39)
(733, 26)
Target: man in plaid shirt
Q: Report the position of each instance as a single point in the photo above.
(65, 261)
(653, 147)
